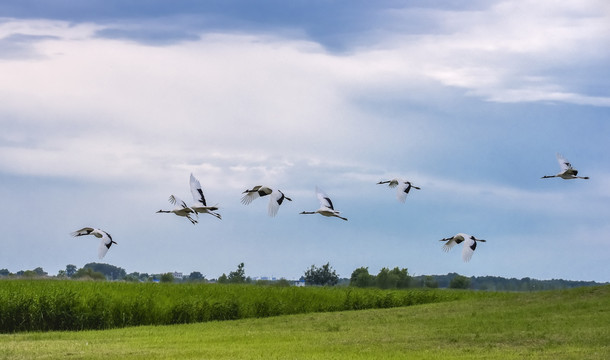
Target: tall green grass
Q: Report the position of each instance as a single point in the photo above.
(549, 325)
(42, 305)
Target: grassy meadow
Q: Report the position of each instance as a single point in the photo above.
(562, 324)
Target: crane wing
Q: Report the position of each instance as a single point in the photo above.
(181, 204)
(102, 249)
(174, 200)
(402, 191)
(468, 249)
(275, 200)
(83, 231)
(450, 243)
(391, 183)
(324, 199)
(563, 163)
(250, 195)
(197, 191)
(105, 244)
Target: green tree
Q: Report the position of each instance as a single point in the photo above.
(430, 282)
(324, 275)
(238, 276)
(40, 272)
(29, 274)
(196, 276)
(459, 282)
(88, 273)
(222, 279)
(167, 278)
(361, 278)
(4, 272)
(386, 279)
(70, 270)
(403, 280)
(132, 277)
(110, 271)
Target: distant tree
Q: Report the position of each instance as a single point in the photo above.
(70, 270)
(324, 275)
(110, 271)
(61, 274)
(222, 279)
(361, 278)
(238, 276)
(167, 278)
(29, 274)
(393, 279)
(281, 283)
(403, 280)
(385, 279)
(4, 272)
(196, 276)
(430, 282)
(459, 282)
(88, 273)
(132, 277)
(40, 272)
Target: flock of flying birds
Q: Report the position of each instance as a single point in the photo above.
(277, 197)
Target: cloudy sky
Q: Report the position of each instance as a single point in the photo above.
(107, 107)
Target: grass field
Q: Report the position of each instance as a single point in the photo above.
(566, 324)
(42, 305)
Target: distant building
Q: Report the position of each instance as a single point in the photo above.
(177, 275)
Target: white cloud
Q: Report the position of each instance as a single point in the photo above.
(494, 53)
(258, 102)
(44, 27)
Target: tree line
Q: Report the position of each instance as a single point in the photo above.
(325, 275)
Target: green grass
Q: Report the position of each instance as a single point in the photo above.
(565, 324)
(43, 305)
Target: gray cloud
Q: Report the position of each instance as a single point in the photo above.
(21, 46)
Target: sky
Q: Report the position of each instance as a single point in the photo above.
(107, 107)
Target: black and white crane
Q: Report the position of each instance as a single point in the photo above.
(402, 187)
(567, 171)
(470, 244)
(326, 206)
(254, 193)
(105, 244)
(181, 209)
(276, 197)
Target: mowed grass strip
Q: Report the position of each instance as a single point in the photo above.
(567, 324)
